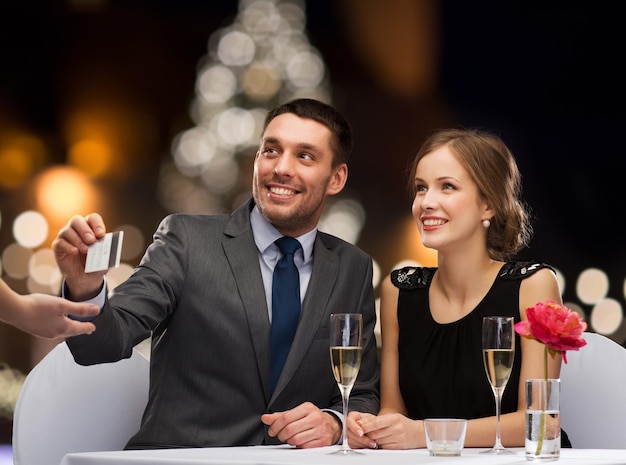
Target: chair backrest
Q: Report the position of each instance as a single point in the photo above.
(593, 394)
(66, 407)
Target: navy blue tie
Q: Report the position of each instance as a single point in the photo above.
(285, 304)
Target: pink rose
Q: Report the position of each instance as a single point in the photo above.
(556, 326)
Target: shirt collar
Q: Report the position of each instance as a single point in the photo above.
(265, 234)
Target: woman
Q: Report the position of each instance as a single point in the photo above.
(467, 206)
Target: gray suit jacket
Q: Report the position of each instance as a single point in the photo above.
(198, 291)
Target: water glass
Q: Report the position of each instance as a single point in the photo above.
(445, 436)
(543, 420)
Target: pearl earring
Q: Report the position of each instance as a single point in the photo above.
(486, 223)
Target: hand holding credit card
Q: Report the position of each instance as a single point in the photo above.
(105, 253)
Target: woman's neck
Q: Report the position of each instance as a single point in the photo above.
(461, 283)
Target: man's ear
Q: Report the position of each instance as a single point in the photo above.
(338, 180)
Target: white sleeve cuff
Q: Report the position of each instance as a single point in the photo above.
(97, 300)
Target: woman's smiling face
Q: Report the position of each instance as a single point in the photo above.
(447, 206)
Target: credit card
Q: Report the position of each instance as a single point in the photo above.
(105, 253)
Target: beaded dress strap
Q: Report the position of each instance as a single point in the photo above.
(412, 277)
(522, 270)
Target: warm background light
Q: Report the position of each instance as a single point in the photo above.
(62, 192)
(91, 156)
(409, 244)
(20, 155)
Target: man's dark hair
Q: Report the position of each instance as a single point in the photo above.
(324, 114)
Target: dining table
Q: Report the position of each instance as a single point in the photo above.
(287, 455)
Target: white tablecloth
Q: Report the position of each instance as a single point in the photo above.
(285, 455)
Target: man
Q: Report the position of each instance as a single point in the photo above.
(203, 290)
(44, 315)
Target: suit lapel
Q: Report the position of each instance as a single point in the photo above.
(242, 254)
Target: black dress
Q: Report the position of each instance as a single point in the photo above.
(441, 372)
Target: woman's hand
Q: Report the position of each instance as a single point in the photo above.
(357, 439)
(391, 431)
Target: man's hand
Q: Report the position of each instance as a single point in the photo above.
(305, 426)
(70, 251)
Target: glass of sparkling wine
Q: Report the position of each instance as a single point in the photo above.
(345, 359)
(498, 354)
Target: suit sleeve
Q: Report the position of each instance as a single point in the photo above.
(140, 304)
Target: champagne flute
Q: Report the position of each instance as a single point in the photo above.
(498, 354)
(345, 359)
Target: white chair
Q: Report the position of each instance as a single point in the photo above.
(593, 394)
(66, 407)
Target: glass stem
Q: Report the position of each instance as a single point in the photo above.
(498, 393)
(345, 394)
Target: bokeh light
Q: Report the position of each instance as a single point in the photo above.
(343, 218)
(44, 274)
(16, 259)
(92, 157)
(606, 316)
(216, 84)
(236, 48)
(592, 285)
(305, 70)
(193, 149)
(105, 137)
(20, 156)
(234, 127)
(63, 191)
(30, 229)
(261, 81)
